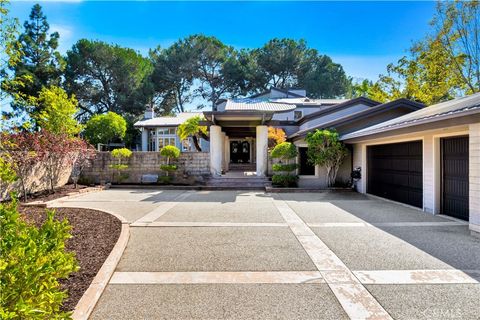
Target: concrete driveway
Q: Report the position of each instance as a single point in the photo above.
(251, 255)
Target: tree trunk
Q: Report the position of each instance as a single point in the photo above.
(196, 144)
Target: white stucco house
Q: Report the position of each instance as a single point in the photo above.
(424, 157)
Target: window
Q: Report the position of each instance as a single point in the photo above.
(162, 142)
(297, 114)
(160, 137)
(166, 131)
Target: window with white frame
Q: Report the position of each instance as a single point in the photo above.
(160, 137)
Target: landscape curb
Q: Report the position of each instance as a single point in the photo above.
(45, 204)
(90, 297)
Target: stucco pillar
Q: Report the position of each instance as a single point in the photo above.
(144, 139)
(223, 151)
(227, 153)
(262, 149)
(216, 143)
(474, 178)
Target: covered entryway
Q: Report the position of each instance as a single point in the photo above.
(240, 151)
(395, 172)
(454, 187)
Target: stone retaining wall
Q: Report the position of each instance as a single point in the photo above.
(193, 167)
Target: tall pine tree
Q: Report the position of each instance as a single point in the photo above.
(41, 64)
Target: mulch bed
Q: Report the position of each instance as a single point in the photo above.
(47, 196)
(94, 235)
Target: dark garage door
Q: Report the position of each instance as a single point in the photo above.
(395, 172)
(455, 177)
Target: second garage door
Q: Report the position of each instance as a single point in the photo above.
(395, 172)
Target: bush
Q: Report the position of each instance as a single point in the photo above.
(278, 167)
(285, 180)
(32, 260)
(120, 154)
(168, 167)
(164, 179)
(103, 128)
(170, 152)
(284, 150)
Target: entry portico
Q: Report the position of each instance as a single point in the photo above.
(239, 134)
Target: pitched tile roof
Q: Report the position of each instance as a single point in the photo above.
(249, 104)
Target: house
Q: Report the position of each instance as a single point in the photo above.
(429, 159)
(424, 157)
(238, 128)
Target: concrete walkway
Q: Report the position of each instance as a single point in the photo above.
(251, 255)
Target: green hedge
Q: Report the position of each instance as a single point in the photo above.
(32, 260)
(281, 180)
(278, 167)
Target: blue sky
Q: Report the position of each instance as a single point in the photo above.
(363, 36)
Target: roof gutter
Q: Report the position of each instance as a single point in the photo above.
(352, 137)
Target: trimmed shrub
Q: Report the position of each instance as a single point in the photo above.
(285, 180)
(278, 167)
(170, 152)
(32, 260)
(120, 155)
(168, 167)
(285, 151)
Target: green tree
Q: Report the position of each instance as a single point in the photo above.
(40, 64)
(10, 48)
(212, 56)
(104, 128)
(107, 77)
(321, 77)
(286, 63)
(173, 75)
(325, 149)
(58, 111)
(192, 128)
(444, 64)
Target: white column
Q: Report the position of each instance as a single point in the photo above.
(262, 149)
(223, 151)
(216, 142)
(474, 178)
(227, 152)
(144, 139)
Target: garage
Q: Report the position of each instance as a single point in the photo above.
(454, 172)
(395, 172)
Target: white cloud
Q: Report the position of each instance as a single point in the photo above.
(65, 31)
(67, 38)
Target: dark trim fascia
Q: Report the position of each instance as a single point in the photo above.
(338, 107)
(469, 117)
(283, 123)
(414, 106)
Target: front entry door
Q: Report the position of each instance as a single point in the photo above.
(240, 152)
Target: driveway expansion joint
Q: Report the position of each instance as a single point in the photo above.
(354, 298)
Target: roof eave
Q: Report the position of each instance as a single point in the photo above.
(352, 137)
